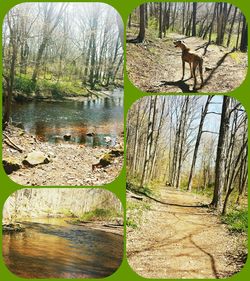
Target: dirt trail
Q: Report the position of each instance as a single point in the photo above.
(156, 66)
(179, 238)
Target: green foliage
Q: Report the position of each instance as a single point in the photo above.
(24, 85)
(137, 189)
(57, 90)
(152, 23)
(146, 190)
(208, 191)
(48, 211)
(99, 215)
(131, 223)
(237, 220)
(67, 213)
(134, 213)
(236, 56)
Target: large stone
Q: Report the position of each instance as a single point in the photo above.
(108, 158)
(35, 158)
(10, 165)
(116, 152)
(107, 139)
(67, 137)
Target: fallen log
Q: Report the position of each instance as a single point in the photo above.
(12, 144)
(92, 92)
(132, 195)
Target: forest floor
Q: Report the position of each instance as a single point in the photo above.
(68, 164)
(156, 66)
(179, 238)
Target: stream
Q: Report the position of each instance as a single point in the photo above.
(88, 121)
(51, 248)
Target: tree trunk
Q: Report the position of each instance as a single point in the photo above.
(231, 27)
(148, 144)
(141, 35)
(212, 22)
(194, 19)
(221, 155)
(197, 144)
(244, 36)
(160, 20)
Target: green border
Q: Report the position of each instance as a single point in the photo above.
(124, 7)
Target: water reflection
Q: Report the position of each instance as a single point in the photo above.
(50, 121)
(48, 249)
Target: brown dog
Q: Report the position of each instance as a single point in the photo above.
(193, 59)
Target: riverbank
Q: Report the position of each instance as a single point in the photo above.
(26, 90)
(62, 164)
(114, 226)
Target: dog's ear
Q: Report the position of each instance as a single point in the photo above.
(182, 41)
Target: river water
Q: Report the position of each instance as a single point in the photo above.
(51, 248)
(51, 120)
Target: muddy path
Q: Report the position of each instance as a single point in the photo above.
(155, 66)
(178, 238)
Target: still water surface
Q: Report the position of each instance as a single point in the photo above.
(51, 120)
(51, 248)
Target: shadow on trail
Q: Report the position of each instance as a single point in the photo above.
(212, 260)
(173, 204)
(134, 41)
(205, 46)
(180, 84)
(219, 63)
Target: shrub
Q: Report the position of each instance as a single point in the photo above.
(24, 85)
(237, 220)
(99, 214)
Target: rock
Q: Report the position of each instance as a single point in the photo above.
(108, 158)
(51, 156)
(67, 137)
(12, 227)
(105, 160)
(116, 152)
(107, 139)
(35, 158)
(10, 165)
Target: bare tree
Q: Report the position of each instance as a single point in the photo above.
(221, 154)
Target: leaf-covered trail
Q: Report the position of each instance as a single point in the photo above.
(179, 238)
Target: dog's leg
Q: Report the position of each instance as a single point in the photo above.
(195, 64)
(191, 72)
(201, 72)
(183, 69)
